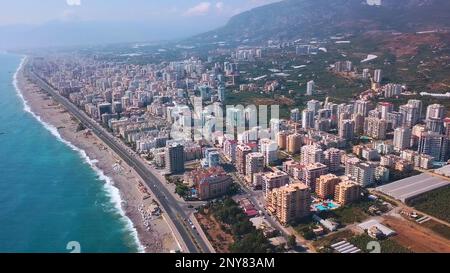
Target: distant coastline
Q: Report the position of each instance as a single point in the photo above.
(121, 192)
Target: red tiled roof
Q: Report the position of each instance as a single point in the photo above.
(251, 213)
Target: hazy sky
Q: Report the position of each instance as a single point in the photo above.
(42, 23)
(41, 11)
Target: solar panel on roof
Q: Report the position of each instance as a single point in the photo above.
(338, 244)
(346, 248)
(350, 250)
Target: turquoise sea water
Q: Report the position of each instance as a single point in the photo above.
(49, 193)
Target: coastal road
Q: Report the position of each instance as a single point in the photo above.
(193, 241)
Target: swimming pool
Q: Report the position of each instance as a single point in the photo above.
(327, 206)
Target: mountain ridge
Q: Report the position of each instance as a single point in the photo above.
(321, 18)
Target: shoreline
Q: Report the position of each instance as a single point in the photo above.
(121, 183)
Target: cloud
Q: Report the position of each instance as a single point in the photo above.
(219, 5)
(73, 2)
(198, 10)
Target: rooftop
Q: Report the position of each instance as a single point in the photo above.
(374, 223)
(275, 174)
(315, 166)
(413, 186)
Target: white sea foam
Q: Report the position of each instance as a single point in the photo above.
(112, 191)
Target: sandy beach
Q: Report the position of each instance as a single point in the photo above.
(153, 231)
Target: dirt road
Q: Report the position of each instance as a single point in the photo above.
(417, 238)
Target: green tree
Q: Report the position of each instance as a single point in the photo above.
(182, 190)
(291, 241)
(242, 228)
(309, 235)
(252, 243)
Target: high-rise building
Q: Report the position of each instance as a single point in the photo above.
(174, 157)
(333, 107)
(447, 127)
(273, 180)
(395, 120)
(241, 155)
(125, 102)
(313, 105)
(402, 138)
(374, 114)
(311, 172)
(322, 124)
(311, 154)
(104, 108)
(235, 117)
(344, 111)
(362, 107)
(343, 66)
(416, 132)
(296, 115)
(382, 174)
(385, 108)
(350, 162)
(307, 119)
(358, 119)
(347, 192)
(435, 111)
(212, 158)
(365, 174)
(221, 93)
(362, 173)
(254, 164)
(324, 113)
(392, 90)
(282, 140)
(326, 184)
(348, 66)
(229, 149)
(375, 128)
(269, 149)
(275, 126)
(377, 75)
(333, 159)
(365, 73)
(205, 92)
(289, 202)
(310, 88)
(418, 104)
(294, 142)
(434, 144)
(435, 125)
(346, 129)
(117, 107)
